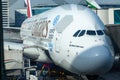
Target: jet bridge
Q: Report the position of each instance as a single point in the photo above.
(15, 63)
(13, 60)
(114, 32)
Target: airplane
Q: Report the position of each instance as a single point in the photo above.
(71, 36)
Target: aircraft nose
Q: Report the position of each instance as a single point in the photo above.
(95, 60)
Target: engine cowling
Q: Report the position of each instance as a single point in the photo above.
(37, 54)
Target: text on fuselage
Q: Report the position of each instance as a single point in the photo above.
(40, 29)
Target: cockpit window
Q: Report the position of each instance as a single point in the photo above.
(75, 35)
(91, 32)
(81, 33)
(100, 32)
(106, 32)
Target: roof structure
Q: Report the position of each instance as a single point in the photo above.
(60, 2)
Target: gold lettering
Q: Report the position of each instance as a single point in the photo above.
(40, 29)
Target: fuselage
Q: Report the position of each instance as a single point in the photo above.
(74, 37)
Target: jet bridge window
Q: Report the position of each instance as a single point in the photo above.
(91, 32)
(100, 32)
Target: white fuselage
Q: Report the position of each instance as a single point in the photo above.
(74, 37)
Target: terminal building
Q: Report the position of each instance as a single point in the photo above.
(14, 11)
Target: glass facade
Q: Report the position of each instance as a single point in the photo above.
(19, 18)
(21, 15)
(39, 10)
(116, 16)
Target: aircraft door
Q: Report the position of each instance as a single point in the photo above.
(57, 42)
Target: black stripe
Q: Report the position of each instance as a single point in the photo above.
(48, 55)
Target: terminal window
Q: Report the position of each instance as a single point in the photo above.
(38, 11)
(116, 16)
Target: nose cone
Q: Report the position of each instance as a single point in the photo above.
(95, 60)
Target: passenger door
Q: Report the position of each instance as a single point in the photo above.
(57, 42)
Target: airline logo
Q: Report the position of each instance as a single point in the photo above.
(56, 20)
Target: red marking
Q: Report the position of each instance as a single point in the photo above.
(8, 59)
(28, 9)
(46, 65)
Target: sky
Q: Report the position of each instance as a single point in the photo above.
(49, 2)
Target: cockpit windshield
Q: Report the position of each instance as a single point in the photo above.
(100, 32)
(80, 33)
(91, 32)
(75, 35)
